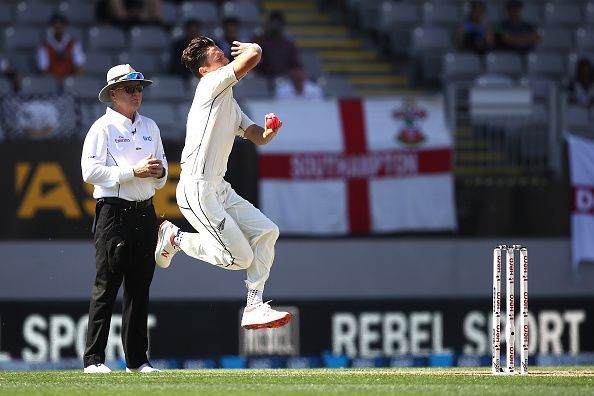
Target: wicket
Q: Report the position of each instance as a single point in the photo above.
(510, 327)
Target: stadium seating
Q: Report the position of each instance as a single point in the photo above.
(506, 63)
(336, 86)
(149, 37)
(167, 88)
(143, 61)
(166, 117)
(205, 12)
(98, 63)
(6, 16)
(21, 38)
(248, 13)
(85, 87)
(252, 87)
(461, 66)
(441, 13)
(39, 85)
(585, 39)
(33, 13)
(106, 38)
(556, 39)
(78, 13)
(548, 64)
(5, 87)
(563, 14)
(429, 43)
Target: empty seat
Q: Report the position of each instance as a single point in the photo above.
(429, 43)
(167, 88)
(550, 64)
(145, 62)
(590, 13)
(507, 63)
(149, 37)
(312, 63)
(24, 62)
(247, 12)
(441, 13)
(252, 87)
(461, 66)
(398, 16)
(532, 12)
(98, 63)
(34, 13)
(5, 86)
(368, 13)
(205, 12)
(167, 118)
(585, 39)
(23, 38)
(563, 14)
(336, 86)
(78, 13)
(431, 38)
(84, 87)
(39, 85)
(540, 86)
(170, 13)
(6, 17)
(106, 38)
(556, 39)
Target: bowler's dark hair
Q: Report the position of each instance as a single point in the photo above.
(195, 54)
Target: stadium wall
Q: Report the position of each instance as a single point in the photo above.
(355, 268)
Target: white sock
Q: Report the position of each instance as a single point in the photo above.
(254, 297)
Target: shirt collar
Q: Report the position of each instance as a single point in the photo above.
(122, 119)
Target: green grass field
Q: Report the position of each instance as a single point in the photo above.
(367, 382)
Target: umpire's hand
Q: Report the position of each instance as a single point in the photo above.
(149, 166)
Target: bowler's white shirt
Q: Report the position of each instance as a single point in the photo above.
(113, 145)
(214, 120)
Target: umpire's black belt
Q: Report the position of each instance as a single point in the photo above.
(127, 205)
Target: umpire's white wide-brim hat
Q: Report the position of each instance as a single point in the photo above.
(119, 74)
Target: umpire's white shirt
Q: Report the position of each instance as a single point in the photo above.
(214, 120)
(113, 145)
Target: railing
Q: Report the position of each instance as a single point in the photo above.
(505, 132)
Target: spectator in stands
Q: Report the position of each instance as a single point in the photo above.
(514, 33)
(192, 28)
(127, 13)
(6, 70)
(279, 53)
(475, 34)
(231, 33)
(60, 54)
(581, 87)
(297, 86)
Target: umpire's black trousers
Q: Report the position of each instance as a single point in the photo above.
(125, 241)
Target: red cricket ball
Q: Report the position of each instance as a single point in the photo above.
(272, 121)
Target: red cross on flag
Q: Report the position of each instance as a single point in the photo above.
(357, 166)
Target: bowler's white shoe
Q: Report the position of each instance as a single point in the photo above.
(97, 369)
(145, 368)
(166, 247)
(261, 316)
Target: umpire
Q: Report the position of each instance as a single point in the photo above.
(123, 158)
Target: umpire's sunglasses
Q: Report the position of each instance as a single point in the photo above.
(131, 89)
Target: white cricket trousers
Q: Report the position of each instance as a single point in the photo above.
(232, 233)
